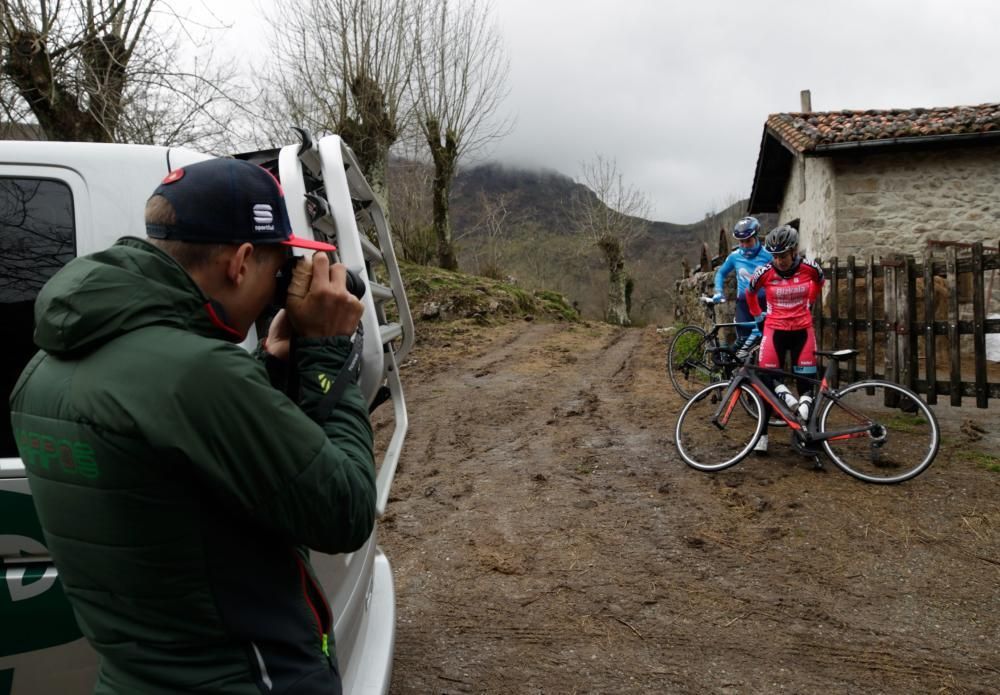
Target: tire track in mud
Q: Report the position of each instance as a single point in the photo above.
(504, 432)
(569, 413)
(521, 384)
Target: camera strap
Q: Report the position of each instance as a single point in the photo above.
(348, 374)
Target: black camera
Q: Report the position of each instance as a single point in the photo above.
(355, 285)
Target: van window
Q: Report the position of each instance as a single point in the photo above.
(36, 239)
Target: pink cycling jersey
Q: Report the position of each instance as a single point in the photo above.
(790, 298)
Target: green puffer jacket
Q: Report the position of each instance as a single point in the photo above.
(178, 489)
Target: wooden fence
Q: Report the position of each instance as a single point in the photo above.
(931, 340)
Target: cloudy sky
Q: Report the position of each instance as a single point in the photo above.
(678, 92)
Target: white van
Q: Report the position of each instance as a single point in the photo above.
(59, 200)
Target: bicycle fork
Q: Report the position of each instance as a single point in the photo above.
(728, 403)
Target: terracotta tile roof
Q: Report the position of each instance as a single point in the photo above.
(806, 132)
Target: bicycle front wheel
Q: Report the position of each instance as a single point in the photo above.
(709, 447)
(689, 361)
(901, 435)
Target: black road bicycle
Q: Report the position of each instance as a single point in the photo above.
(697, 358)
(874, 430)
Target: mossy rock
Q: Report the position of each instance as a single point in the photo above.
(460, 296)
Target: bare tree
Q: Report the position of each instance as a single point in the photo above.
(37, 237)
(492, 228)
(611, 214)
(461, 77)
(104, 71)
(344, 66)
(409, 194)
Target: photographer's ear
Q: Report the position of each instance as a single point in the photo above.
(237, 267)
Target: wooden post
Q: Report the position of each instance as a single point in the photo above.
(979, 325)
(834, 315)
(890, 298)
(870, 319)
(906, 317)
(930, 337)
(852, 338)
(819, 322)
(955, 378)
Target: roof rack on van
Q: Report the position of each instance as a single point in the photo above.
(343, 209)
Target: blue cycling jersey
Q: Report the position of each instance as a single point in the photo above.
(744, 264)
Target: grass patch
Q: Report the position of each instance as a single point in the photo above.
(687, 346)
(907, 423)
(987, 462)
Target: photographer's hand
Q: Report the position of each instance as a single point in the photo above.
(319, 304)
(279, 336)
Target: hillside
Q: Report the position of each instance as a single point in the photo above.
(541, 248)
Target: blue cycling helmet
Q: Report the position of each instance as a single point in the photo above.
(781, 239)
(746, 228)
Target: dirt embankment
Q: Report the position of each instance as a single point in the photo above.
(546, 538)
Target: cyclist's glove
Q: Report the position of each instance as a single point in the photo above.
(759, 318)
(717, 298)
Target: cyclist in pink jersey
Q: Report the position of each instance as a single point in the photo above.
(791, 284)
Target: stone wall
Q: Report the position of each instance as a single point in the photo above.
(688, 308)
(895, 202)
(815, 207)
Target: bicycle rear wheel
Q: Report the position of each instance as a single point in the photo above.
(689, 361)
(902, 438)
(708, 447)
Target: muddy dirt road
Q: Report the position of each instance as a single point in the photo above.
(546, 538)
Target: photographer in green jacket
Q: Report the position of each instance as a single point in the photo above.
(178, 489)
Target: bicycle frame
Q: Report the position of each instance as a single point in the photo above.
(747, 374)
(698, 355)
(716, 327)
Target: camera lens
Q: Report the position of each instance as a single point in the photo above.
(355, 285)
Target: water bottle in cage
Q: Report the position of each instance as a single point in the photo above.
(786, 395)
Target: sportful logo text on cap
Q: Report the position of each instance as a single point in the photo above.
(263, 217)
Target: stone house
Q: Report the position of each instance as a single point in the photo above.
(881, 182)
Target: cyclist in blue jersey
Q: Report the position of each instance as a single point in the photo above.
(744, 261)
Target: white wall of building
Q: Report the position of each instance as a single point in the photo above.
(810, 197)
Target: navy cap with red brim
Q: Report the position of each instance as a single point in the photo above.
(227, 201)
